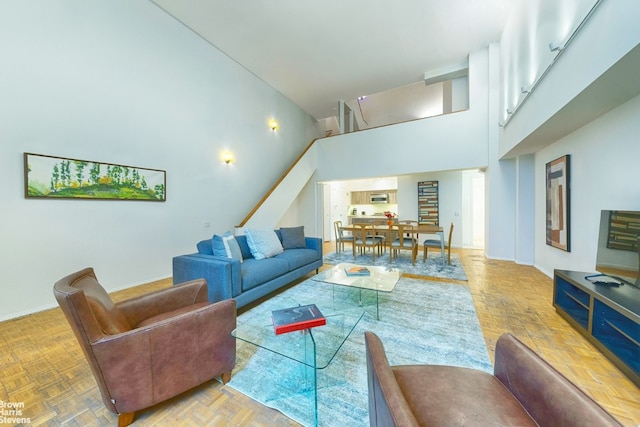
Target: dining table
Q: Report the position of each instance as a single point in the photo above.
(389, 231)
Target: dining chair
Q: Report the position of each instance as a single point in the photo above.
(413, 222)
(406, 239)
(366, 237)
(340, 237)
(435, 243)
(382, 234)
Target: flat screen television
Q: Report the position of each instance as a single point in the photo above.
(619, 245)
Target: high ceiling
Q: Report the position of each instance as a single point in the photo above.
(318, 53)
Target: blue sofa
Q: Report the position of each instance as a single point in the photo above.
(250, 279)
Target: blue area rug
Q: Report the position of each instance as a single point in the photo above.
(420, 322)
(432, 267)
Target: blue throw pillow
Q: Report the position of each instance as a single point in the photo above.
(205, 247)
(293, 237)
(263, 243)
(226, 246)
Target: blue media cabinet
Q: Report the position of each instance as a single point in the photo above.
(608, 316)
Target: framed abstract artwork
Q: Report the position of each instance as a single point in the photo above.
(558, 203)
(63, 178)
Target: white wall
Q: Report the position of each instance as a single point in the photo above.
(449, 142)
(525, 209)
(500, 179)
(525, 49)
(604, 174)
(122, 82)
(610, 33)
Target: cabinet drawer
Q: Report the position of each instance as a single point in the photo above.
(618, 333)
(573, 301)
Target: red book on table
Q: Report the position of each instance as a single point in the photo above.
(297, 318)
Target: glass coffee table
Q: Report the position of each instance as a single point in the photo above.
(313, 349)
(380, 279)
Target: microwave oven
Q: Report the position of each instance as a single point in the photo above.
(378, 198)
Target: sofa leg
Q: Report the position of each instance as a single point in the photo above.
(125, 419)
(226, 377)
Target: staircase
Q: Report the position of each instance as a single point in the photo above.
(279, 198)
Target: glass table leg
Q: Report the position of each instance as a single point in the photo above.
(315, 380)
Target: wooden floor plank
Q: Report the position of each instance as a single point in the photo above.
(42, 365)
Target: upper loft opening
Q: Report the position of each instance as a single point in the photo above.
(441, 92)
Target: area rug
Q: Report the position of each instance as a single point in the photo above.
(432, 267)
(420, 322)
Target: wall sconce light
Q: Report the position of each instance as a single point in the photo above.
(227, 157)
(273, 125)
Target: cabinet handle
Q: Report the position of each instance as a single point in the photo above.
(575, 299)
(622, 333)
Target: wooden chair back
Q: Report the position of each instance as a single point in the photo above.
(406, 239)
(365, 237)
(340, 237)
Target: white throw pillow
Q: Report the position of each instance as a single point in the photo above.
(263, 243)
(226, 246)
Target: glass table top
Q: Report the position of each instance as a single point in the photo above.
(382, 279)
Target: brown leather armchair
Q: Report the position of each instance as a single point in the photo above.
(147, 349)
(524, 390)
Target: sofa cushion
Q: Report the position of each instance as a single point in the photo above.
(205, 247)
(263, 243)
(449, 395)
(226, 246)
(293, 237)
(297, 258)
(255, 272)
(244, 246)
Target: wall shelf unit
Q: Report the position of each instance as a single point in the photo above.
(428, 209)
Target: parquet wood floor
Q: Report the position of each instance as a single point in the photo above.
(42, 366)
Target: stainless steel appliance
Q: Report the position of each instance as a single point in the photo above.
(378, 198)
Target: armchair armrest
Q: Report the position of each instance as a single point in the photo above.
(548, 396)
(164, 300)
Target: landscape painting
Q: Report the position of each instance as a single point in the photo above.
(557, 194)
(63, 178)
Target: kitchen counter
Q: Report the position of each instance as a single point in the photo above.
(368, 219)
